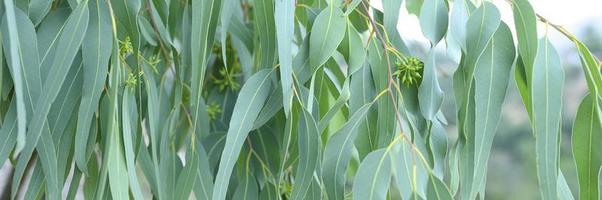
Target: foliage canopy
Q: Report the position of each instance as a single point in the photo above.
(276, 99)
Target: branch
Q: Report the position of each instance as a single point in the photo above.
(558, 28)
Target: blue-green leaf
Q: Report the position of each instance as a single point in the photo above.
(95, 54)
(337, 154)
(373, 176)
(326, 35)
(309, 155)
(285, 25)
(251, 98)
(433, 20)
(492, 75)
(586, 137)
(546, 87)
(430, 94)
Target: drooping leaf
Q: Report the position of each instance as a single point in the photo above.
(526, 31)
(16, 72)
(250, 100)
(430, 94)
(326, 35)
(433, 20)
(546, 86)
(309, 155)
(128, 112)
(96, 51)
(437, 189)
(285, 25)
(266, 30)
(69, 43)
(586, 137)
(337, 153)
(492, 75)
(205, 15)
(373, 176)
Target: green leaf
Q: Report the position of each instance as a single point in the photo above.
(203, 186)
(251, 98)
(187, 177)
(433, 20)
(586, 137)
(205, 15)
(391, 9)
(353, 49)
(430, 94)
(265, 28)
(126, 14)
(334, 108)
(326, 35)
(309, 155)
(13, 36)
(481, 26)
(413, 6)
(69, 43)
(457, 23)
(247, 189)
(96, 51)
(411, 175)
(546, 86)
(373, 176)
(591, 68)
(128, 110)
(437, 189)
(337, 154)
(285, 25)
(114, 157)
(526, 31)
(492, 75)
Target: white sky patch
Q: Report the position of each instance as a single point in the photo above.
(570, 14)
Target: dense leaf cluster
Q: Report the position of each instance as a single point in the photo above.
(275, 99)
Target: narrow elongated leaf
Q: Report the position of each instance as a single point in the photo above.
(547, 83)
(437, 189)
(265, 27)
(114, 165)
(492, 74)
(13, 36)
(586, 137)
(524, 18)
(95, 53)
(309, 155)
(205, 15)
(128, 107)
(337, 153)
(391, 9)
(70, 42)
(460, 12)
(373, 176)
(247, 189)
(526, 31)
(326, 35)
(433, 20)
(251, 98)
(429, 92)
(203, 187)
(126, 14)
(353, 49)
(186, 178)
(285, 25)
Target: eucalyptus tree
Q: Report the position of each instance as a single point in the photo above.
(277, 99)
